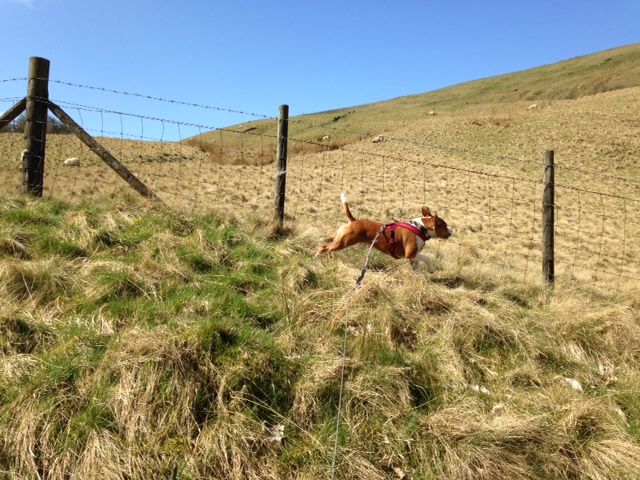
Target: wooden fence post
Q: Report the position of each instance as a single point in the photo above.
(35, 130)
(548, 219)
(281, 172)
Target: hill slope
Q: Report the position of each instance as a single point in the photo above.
(136, 344)
(613, 69)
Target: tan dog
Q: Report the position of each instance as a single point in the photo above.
(399, 240)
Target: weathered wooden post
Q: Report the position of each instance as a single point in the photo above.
(548, 219)
(35, 130)
(281, 171)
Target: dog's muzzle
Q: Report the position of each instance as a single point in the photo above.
(450, 231)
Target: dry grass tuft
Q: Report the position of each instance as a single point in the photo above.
(14, 248)
(37, 282)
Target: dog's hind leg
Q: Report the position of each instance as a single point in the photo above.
(339, 242)
(328, 248)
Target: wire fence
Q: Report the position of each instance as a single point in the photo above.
(492, 201)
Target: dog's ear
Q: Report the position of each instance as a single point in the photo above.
(426, 212)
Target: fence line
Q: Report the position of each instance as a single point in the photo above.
(327, 124)
(210, 128)
(165, 100)
(450, 149)
(497, 215)
(80, 107)
(475, 153)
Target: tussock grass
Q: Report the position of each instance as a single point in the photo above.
(190, 348)
(38, 282)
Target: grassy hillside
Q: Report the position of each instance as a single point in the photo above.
(614, 69)
(135, 344)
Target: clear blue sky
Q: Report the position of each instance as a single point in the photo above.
(254, 55)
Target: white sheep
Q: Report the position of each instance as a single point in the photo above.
(71, 162)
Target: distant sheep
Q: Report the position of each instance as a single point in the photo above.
(325, 138)
(533, 106)
(378, 139)
(71, 162)
(431, 112)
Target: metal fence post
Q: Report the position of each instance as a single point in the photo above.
(35, 130)
(548, 219)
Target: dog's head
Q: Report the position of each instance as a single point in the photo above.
(436, 226)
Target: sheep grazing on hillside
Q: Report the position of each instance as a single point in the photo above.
(71, 162)
(378, 139)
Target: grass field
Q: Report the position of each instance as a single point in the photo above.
(139, 342)
(136, 344)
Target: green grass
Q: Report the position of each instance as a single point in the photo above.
(177, 348)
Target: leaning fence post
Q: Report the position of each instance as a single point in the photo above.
(548, 219)
(104, 154)
(281, 170)
(35, 130)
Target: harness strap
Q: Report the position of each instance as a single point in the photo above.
(423, 230)
(419, 230)
(391, 228)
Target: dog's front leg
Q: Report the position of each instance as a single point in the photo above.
(423, 258)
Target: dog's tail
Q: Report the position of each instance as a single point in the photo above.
(345, 207)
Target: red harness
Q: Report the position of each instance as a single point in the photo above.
(392, 227)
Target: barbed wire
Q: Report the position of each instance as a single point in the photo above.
(200, 126)
(327, 124)
(595, 192)
(165, 100)
(429, 163)
(473, 153)
(10, 99)
(421, 143)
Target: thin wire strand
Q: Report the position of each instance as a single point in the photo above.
(158, 99)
